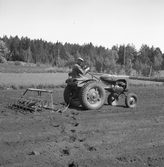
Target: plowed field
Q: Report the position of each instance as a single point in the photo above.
(108, 137)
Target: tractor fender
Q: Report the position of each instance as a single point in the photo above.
(83, 82)
(89, 80)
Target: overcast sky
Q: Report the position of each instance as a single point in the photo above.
(101, 22)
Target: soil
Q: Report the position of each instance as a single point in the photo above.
(109, 137)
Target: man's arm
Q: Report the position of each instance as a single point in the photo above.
(79, 69)
(83, 71)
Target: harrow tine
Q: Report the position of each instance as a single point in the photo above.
(25, 103)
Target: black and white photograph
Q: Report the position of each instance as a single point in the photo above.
(81, 83)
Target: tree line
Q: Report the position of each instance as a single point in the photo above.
(122, 59)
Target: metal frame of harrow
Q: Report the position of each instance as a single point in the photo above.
(32, 104)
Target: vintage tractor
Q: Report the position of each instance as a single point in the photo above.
(91, 93)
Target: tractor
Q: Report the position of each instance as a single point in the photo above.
(91, 93)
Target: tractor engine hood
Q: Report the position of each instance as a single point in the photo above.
(108, 77)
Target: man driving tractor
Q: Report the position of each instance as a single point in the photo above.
(90, 93)
(78, 70)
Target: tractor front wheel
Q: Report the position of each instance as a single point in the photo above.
(92, 95)
(131, 100)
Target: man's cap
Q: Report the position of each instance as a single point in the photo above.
(80, 59)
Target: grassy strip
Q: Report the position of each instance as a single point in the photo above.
(135, 83)
(50, 80)
(26, 80)
(154, 79)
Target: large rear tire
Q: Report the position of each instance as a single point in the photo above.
(68, 93)
(92, 96)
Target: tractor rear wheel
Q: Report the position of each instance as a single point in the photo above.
(131, 100)
(68, 93)
(92, 95)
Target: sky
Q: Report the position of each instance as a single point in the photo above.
(101, 22)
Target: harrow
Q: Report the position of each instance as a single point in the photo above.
(33, 103)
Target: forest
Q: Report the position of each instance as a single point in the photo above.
(119, 59)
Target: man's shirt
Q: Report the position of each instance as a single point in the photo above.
(77, 71)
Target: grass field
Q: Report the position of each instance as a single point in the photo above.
(39, 80)
(47, 80)
(21, 76)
